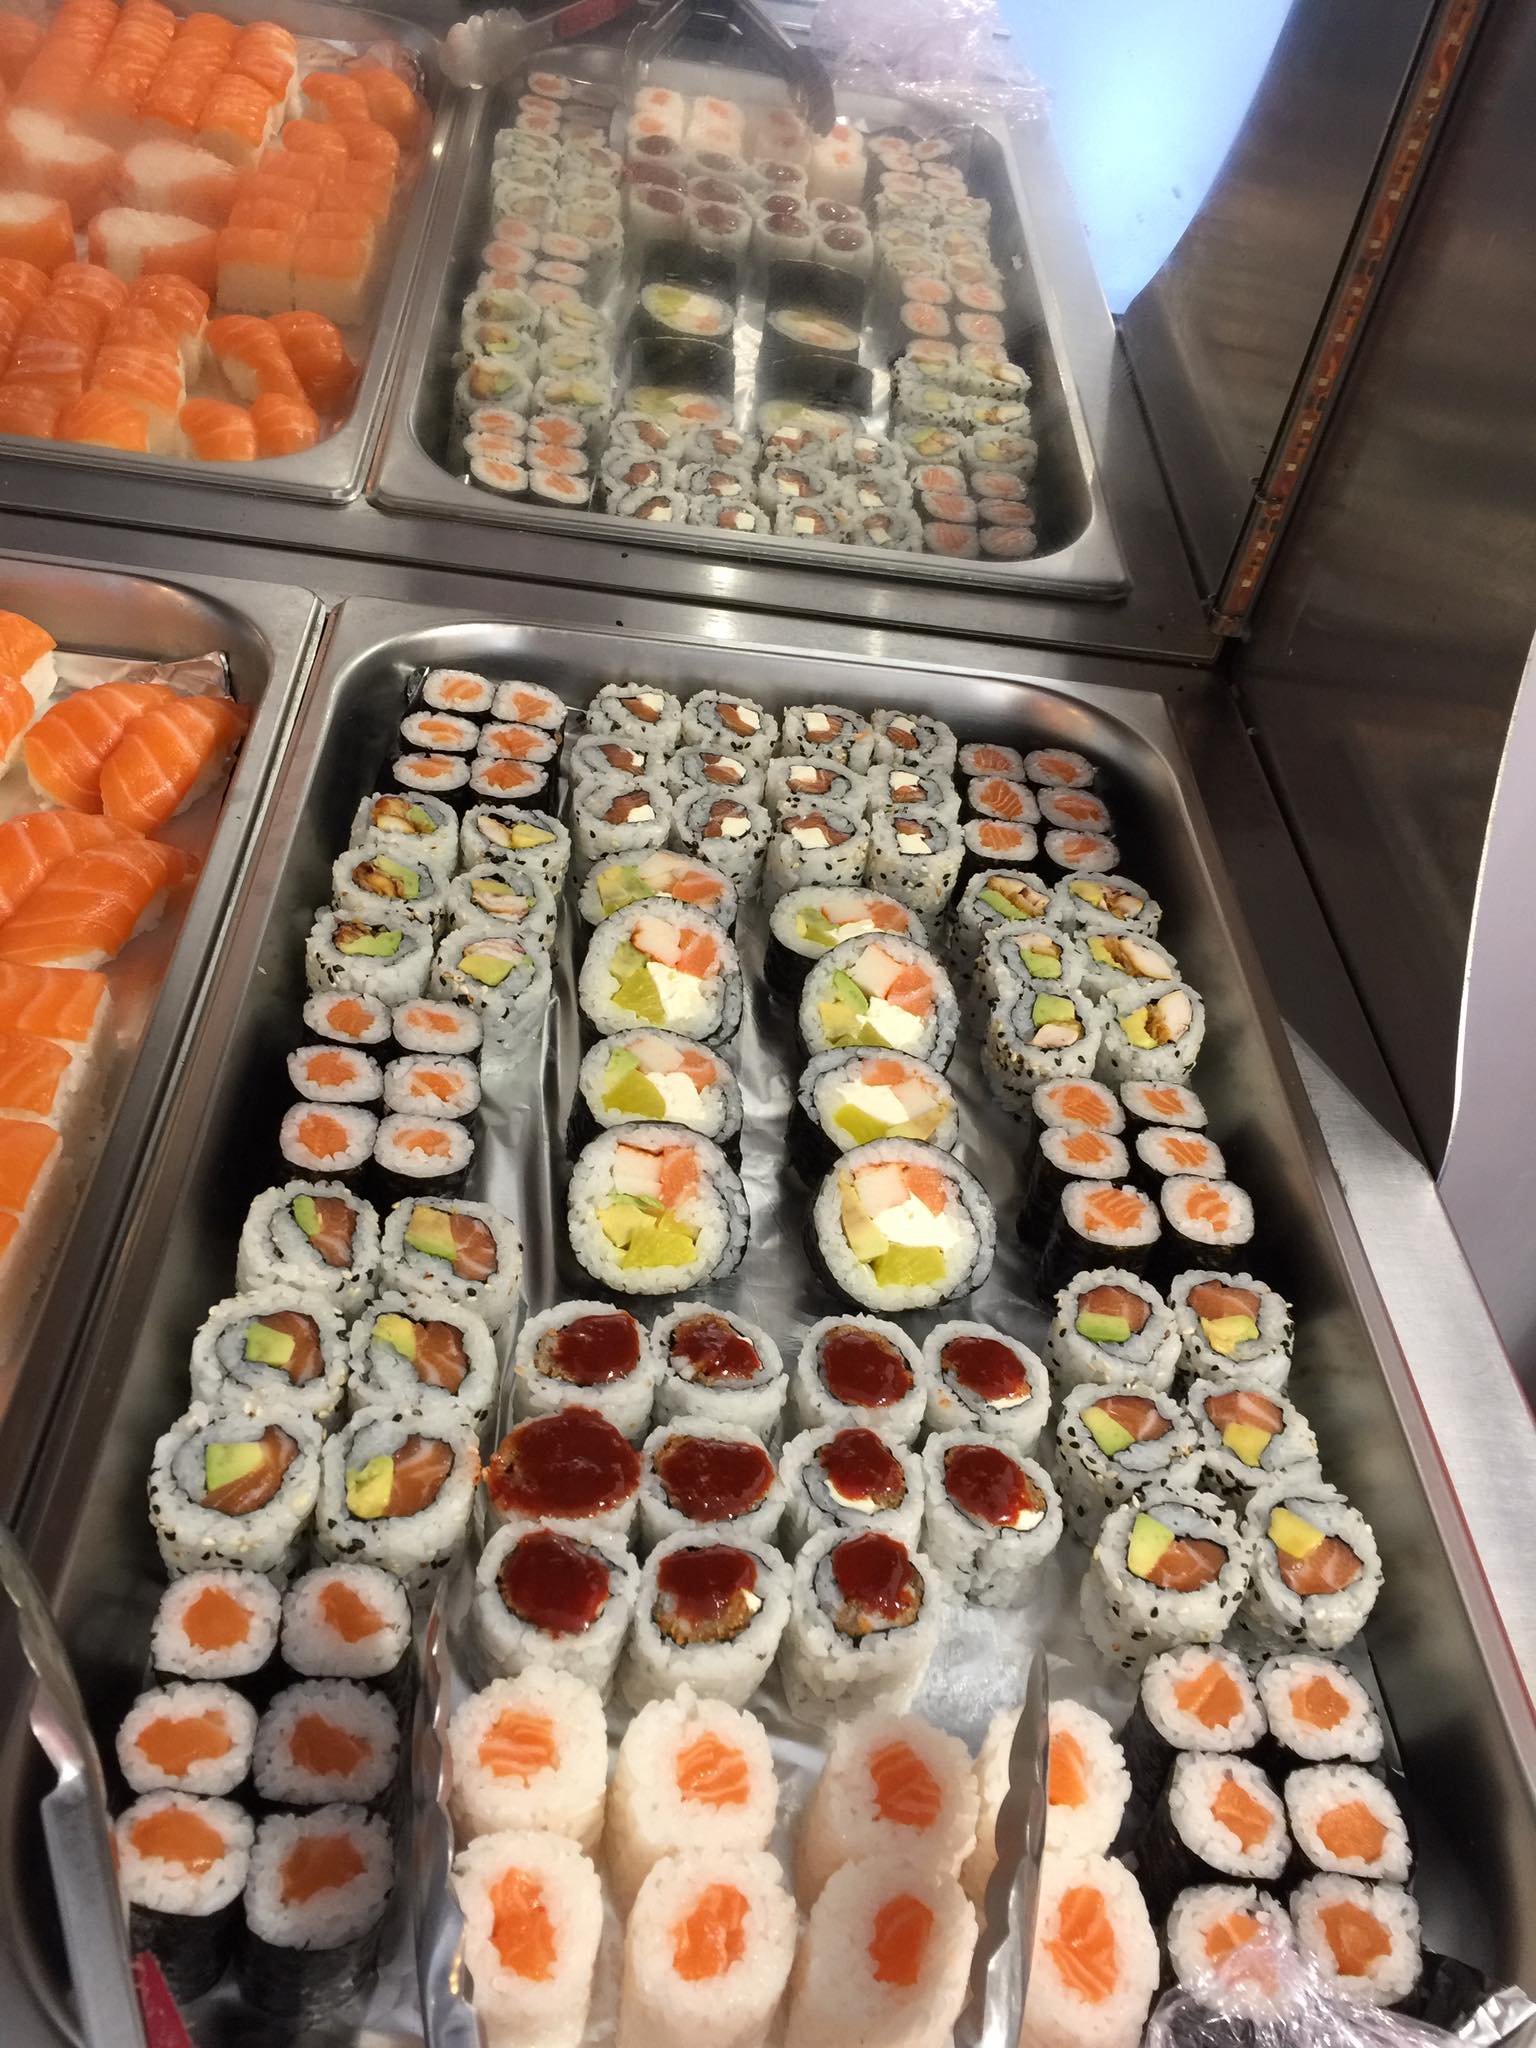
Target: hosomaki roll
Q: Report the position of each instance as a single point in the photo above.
(326, 1739)
(717, 1366)
(714, 1476)
(1223, 1944)
(187, 1738)
(533, 1916)
(272, 1344)
(1316, 1569)
(991, 1516)
(1364, 1938)
(850, 1479)
(349, 1621)
(556, 1598)
(396, 1489)
(438, 1026)
(411, 1348)
(1095, 1962)
(885, 1959)
(982, 1378)
(529, 1752)
(314, 1236)
(865, 1619)
(852, 1097)
(710, 1611)
(692, 1774)
(1087, 1788)
(1344, 1820)
(236, 1487)
(892, 1786)
(219, 1624)
(587, 1354)
(1200, 1699)
(181, 1867)
(1318, 1713)
(1112, 1327)
(656, 1209)
(1218, 1817)
(860, 1370)
(707, 1952)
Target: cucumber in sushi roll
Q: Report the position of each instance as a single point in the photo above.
(1112, 1327)
(316, 1237)
(729, 831)
(648, 1076)
(1040, 1035)
(915, 856)
(465, 1250)
(852, 1097)
(991, 1515)
(397, 1488)
(614, 885)
(815, 844)
(897, 1226)
(807, 923)
(664, 963)
(880, 991)
(388, 954)
(718, 1367)
(866, 1614)
(733, 725)
(504, 979)
(234, 1486)
(1316, 1569)
(656, 1209)
(710, 1611)
(586, 1354)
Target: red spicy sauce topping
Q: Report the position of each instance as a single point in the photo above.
(860, 1466)
(863, 1369)
(874, 1572)
(552, 1583)
(700, 1585)
(567, 1465)
(590, 1351)
(989, 1485)
(711, 1479)
(984, 1367)
(714, 1350)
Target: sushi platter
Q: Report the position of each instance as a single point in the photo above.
(209, 229)
(854, 360)
(663, 1128)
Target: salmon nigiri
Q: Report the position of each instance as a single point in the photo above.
(89, 281)
(21, 283)
(182, 305)
(284, 426)
(51, 365)
(252, 357)
(64, 316)
(19, 39)
(67, 746)
(98, 419)
(138, 327)
(168, 758)
(318, 354)
(86, 909)
(35, 843)
(17, 712)
(390, 100)
(255, 272)
(26, 652)
(215, 431)
(149, 381)
(328, 96)
(30, 410)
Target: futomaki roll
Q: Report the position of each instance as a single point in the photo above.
(991, 1516)
(529, 1752)
(717, 1367)
(815, 845)
(656, 1209)
(865, 1619)
(660, 962)
(508, 832)
(438, 1027)
(587, 1354)
(880, 991)
(696, 884)
(466, 1250)
(1218, 1817)
(336, 1073)
(365, 877)
(885, 1957)
(234, 1487)
(1107, 904)
(349, 1621)
(807, 923)
(325, 1739)
(357, 1022)
(502, 896)
(1113, 1442)
(619, 817)
(730, 831)
(692, 1774)
(915, 857)
(1151, 1032)
(1250, 1436)
(388, 955)
(849, 1098)
(892, 1786)
(1113, 1328)
(850, 1478)
(181, 1867)
(420, 828)
(407, 1349)
(1232, 1325)
(1037, 1035)
(828, 729)
(1168, 1568)
(897, 1226)
(1316, 1569)
(533, 1918)
(1095, 1224)
(187, 1738)
(814, 779)
(1318, 1713)
(736, 725)
(559, 1598)
(1094, 1970)
(856, 1370)
(1200, 1700)
(219, 1624)
(709, 1614)
(711, 1476)
(646, 718)
(314, 1900)
(1345, 1821)
(983, 1379)
(1362, 1938)
(396, 1489)
(654, 1077)
(272, 1346)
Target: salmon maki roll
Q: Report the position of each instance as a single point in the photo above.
(332, 274)
(169, 176)
(132, 243)
(218, 432)
(66, 748)
(41, 153)
(30, 411)
(255, 268)
(92, 904)
(37, 229)
(169, 758)
(390, 101)
(149, 381)
(284, 426)
(35, 843)
(328, 96)
(99, 419)
(315, 348)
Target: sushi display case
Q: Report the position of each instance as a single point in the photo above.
(1458, 1732)
(120, 1016)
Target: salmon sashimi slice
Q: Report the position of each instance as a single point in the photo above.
(169, 758)
(347, 1613)
(89, 906)
(1083, 1945)
(522, 1932)
(1188, 1563)
(711, 1937)
(316, 1864)
(1212, 1696)
(26, 1153)
(898, 1946)
(1067, 1772)
(1352, 1833)
(712, 1772)
(175, 1743)
(179, 1835)
(1356, 1937)
(1112, 1209)
(61, 1003)
(678, 1172)
(32, 1073)
(67, 746)
(421, 1465)
(1319, 1702)
(1225, 1936)
(520, 1745)
(1136, 1413)
(252, 1490)
(1327, 1568)
(906, 1792)
(1245, 1818)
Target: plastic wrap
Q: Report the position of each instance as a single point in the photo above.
(950, 53)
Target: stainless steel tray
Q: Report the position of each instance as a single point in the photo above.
(1078, 557)
(334, 469)
(1458, 1708)
(266, 632)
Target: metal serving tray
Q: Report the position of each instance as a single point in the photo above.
(1459, 1712)
(334, 469)
(1078, 555)
(266, 633)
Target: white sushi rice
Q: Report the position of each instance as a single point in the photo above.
(411, 1271)
(1018, 1420)
(814, 1505)
(171, 1648)
(1056, 2013)
(1148, 1356)
(414, 1547)
(325, 1622)
(829, 1672)
(757, 1402)
(1317, 1791)
(511, 1645)
(734, 2002)
(275, 1252)
(892, 1786)
(364, 1755)
(625, 1402)
(145, 1764)
(813, 1405)
(192, 1537)
(1389, 1977)
(842, 1999)
(661, 1516)
(1193, 1792)
(159, 1884)
(383, 1376)
(222, 1369)
(1355, 1735)
(692, 1774)
(1319, 1621)
(1170, 1672)
(335, 1916)
(730, 1669)
(1265, 1359)
(993, 1563)
(500, 1778)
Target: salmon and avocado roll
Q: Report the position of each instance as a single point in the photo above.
(709, 1613)
(1362, 1938)
(882, 991)
(219, 1624)
(1197, 1700)
(1316, 1568)
(1218, 1817)
(1112, 1327)
(316, 1237)
(586, 1354)
(855, 1371)
(807, 923)
(650, 1076)
(708, 1475)
(348, 1621)
(851, 1097)
(867, 1611)
(707, 1952)
(718, 1367)
(234, 1487)
(1094, 1968)
(1087, 1789)
(1232, 1325)
(193, 1738)
(1111, 1442)
(991, 1516)
(850, 1478)
(1250, 1436)
(533, 1917)
(468, 1251)
(557, 1596)
(396, 1489)
(362, 878)
(1170, 1567)
(892, 1786)
(274, 1346)
(665, 963)
(981, 1377)
(656, 1209)
(181, 1867)
(421, 1349)
(885, 1957)
(692, 1774)
(530, 1752)
(325, 1739)
(1318, 1712)
(897, 1226)
(613, 885)
(314, 1903)
(536, 839)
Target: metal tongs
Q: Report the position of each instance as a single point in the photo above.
(810, 87)
(74, 1818)
(993, 2013)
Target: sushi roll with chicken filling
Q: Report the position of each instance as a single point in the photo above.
(336, 1073)
(1096, 1223)
(396, 1490)
(1112, 1328)
(1152, 1031)
(1169, 1567)
(663, 963)
(1317, 1713)
(181, 1865)
(554, 1597)
(709, 1615)
(218, 1625)
(272, 1346)
(1232, 1326)
(1063, 1154)
(504, 979)
(644, 717)
(994, 898)
(1107, 904)
(980, 1378)
(534, 839)
(866, 1614)
(1316, 1569)
(422, 1350)
(882, 992)
(848, 1478)
(502, 896)
(616, 815)
(897, 1227)
(1363, 1939)
(467, 1251)
(857, 1371)
(814, 779)
(316, 1237)
(805, 924)
(1114, 960)
(586, 1354)
(234, 1487)
(1219, 1818)
(315, 1895)
(1112, 1442)
(388, 954)
(705, 768)
(325, 1739)
(617, 884)
(991, 1516)
(730, 832)
(852, 1097)
(1039, 1035)
(656, 1209)
(1250, 1436)
(828, 729)
(815, 844)
(648, 1076)
(362, 879)
(712, 1476)
(915, 857)
(1019, 957)
(717, 1367)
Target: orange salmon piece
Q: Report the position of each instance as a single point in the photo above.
(1209, 1205)
(1067, 1771)
(701, 1068)
(1187, 1564)
(697, 954)
(316, 1864)
(31, 1071)
(999, 794)
(422, 1463)
(887, 917)
(899, 1944)
(1212, 1696)
(712, 1773)
(216, 1620)
(1083, 1947)
(679, 1176)
(55, 1002)
(712, 1938)
(69, 744)
(694, 889)
(1188, 1153)
(1085, 1148)
(320, 1746)
(522, 1932)
(520, 1745)
(174, 1743)
(1241, 1815)
(1356, 1937)
(929, 1186)
(883, 1074)
(1352, 1832)
(906, 1792)
(1328, 1568)
(1085, 1106)
(346, 1611)
(1111, 1209)
(1319, 1702)
(177, 1835)
(1223, 1937)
